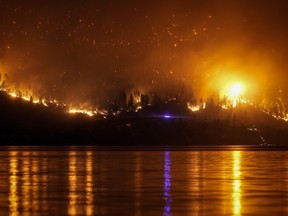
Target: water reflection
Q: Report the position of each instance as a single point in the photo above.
(81, 182)
(72, 210)
(138, 183)
(44, 184)
(35, 182)
(194, 183)
(236, 196)
(13, 179)
(26, 181)
(167, 184)
(89, 183)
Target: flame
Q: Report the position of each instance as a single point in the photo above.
(82, 111)
(235, 90)
(44, 103)
(13, 94)
(90, 112)
(139, 107)
(232, 93)
(195, 108)
(24, 95)
(29, 96)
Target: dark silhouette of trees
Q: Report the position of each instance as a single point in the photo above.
(130, 103)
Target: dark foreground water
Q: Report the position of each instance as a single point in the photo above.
(72, 181)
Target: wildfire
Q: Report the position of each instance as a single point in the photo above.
(196, 108)
(88, 111)
(235, 90)
(24, 95)
(233, 93)
(82, 111)
(28, 96)
(13, 94)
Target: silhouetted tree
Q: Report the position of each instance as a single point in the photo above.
(130, 102)
(144, 99)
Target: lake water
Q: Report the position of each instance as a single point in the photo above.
(91, 181)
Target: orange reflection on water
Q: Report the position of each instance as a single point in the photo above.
(138, 183)
(13, 179)
(35, 181)
(44, 187)
(194, 184)
(89, 183)
(72, 210)
(237, 193)
(26, 179)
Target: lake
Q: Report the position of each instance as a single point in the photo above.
(108, 181)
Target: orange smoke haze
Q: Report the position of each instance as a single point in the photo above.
(89, 53)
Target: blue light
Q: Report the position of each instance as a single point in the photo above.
(167, 116)
(167, 185)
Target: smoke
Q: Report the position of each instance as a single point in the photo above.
(89, 52)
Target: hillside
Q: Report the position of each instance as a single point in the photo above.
(25, 123)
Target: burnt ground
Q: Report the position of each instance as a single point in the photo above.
(24, 123)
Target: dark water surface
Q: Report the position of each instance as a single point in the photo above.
(80, 181)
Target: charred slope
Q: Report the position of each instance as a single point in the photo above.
(24, 123)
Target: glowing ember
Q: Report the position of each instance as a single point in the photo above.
(36, 101)
(139, 107)
(195, 108)
(13, 94)
(82, 111)
(44, 103)
(28, 96)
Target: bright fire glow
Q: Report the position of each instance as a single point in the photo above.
(195, 108)
(82, 111)
(28, 96)
(13, 94)
(235, 90)
(233, 93)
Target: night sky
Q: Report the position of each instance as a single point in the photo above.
(87, 51)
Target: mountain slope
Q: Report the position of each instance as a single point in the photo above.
(25, 123)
